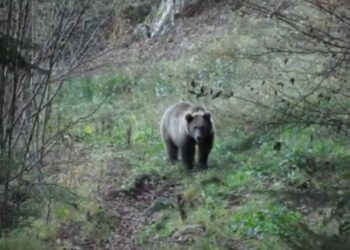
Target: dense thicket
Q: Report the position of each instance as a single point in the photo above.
(41, 44)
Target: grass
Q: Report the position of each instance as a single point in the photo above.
(239, 206)
(239, 199)
(21, 242)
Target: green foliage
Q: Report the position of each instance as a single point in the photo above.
(261, 220)
(240, 162)
(44, 230)
(21, 242)
(232, 198)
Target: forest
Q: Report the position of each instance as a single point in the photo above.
(84, 85)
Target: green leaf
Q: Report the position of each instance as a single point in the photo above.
(88, 129)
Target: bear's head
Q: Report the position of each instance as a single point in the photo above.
(199, 125)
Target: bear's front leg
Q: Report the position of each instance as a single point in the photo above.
(187, 152)
(203, 152)
(172, 150)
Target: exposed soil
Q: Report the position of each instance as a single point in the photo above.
(129, 208)
(183, 38)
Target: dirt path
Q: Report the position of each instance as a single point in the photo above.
(127, 206)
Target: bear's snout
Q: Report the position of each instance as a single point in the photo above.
(198, 138)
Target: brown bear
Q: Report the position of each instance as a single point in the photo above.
(185, 126)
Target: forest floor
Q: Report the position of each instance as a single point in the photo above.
(131, 206)
(185, 37)
(246, 200)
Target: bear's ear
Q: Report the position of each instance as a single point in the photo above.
(188, 117)
(207, 116)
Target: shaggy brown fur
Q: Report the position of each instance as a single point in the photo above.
(185, 126)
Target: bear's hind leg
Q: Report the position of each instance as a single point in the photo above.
(172, 151)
